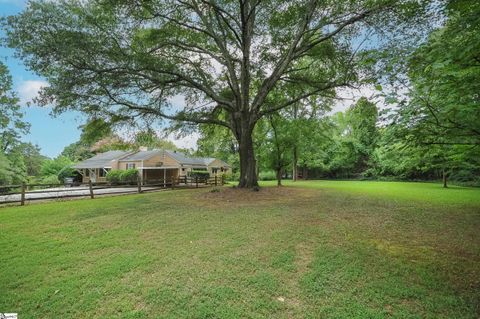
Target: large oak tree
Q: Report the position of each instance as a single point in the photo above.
(125, 60)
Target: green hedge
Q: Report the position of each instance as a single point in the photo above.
(130, 176)
(51, 179)
(267, 176)
(232, 177)
(199, 174)
(116, 176)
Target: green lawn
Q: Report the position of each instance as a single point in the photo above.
(315, 250)
(425, 192)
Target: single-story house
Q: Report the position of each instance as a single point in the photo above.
(151, 165)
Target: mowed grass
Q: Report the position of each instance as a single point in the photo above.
(316, 250)
(426, 192)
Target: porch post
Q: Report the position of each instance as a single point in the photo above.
(164, 176)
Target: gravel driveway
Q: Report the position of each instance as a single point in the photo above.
(68, 192)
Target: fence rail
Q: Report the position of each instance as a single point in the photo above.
(38, 191)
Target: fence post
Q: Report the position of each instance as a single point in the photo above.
(139, 184)
(215, 179)
(196, 181)
(91, 188)
(22, 198)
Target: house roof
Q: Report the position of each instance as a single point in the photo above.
(184, 159)
(193, 161)
(141, 155)
(102, 160)
(210, 160)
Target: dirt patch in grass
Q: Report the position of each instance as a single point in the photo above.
(246, 196)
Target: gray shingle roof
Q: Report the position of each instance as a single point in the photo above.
(209, 160)
(194, 161)
(184, 159)
(141, 155)
(102, 159)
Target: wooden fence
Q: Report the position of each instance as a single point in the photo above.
(30, 192)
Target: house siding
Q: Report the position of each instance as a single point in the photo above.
(217, 164)
(164, 158)
(123, 165)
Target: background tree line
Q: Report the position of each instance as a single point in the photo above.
(430, 130)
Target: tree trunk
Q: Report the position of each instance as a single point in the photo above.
(295, 150)
(444, 178)
(257, 168)
(295, 162)
(248, 173)
(279, 176)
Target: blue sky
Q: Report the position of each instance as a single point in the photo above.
(51, 134)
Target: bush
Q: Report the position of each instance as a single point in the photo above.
(51, 179)
(114, 176)
(229, 177)
(267, 176)
(199, 174)
(130, 176)
(369, 174)
(232, 177)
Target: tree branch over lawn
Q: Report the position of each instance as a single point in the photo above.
(227, 58)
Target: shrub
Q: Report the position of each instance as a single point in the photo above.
(114, 176)
(199, 174)
(232, 177)
(117, 176)
(51, 179)
(267, 176)
(129, 176)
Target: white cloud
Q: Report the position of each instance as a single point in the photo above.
(178, 102)
(189, 141)
(28, 90)
(350, 96)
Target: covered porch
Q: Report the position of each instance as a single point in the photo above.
(95, 175)
(158, 174)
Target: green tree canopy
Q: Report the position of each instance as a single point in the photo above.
(11, 123)
(442, 105)
(12, 126)
(126, 60)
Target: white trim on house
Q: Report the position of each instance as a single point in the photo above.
(159, 167)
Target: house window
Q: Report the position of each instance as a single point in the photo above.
(221, 169)
(130, 165)
(214, 170)
(183, 169)
(103, 172)
(87, 172)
